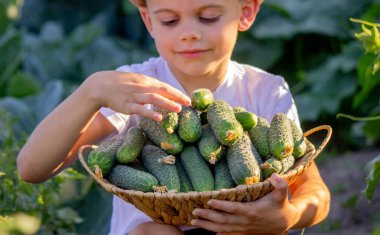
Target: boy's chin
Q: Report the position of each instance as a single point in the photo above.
(195, 69)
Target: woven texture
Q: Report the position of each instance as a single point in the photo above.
(176, 208)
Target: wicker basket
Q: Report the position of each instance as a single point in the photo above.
(176, 208)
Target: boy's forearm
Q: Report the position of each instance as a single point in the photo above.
(311, 198)
(54, 137)
(312, 205)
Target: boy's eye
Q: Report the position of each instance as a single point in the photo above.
(208, 20)
(169, 22)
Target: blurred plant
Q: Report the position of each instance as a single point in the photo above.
(48, 49)
(19, 223)
(19, 200)
(369, 78)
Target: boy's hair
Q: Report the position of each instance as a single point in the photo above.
(142, 3)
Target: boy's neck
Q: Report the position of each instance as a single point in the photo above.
(211, 80)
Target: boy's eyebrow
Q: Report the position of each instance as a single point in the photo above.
(217, 6)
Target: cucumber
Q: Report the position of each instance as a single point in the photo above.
(126, 177)
(161, 166)
(244, 167)
(132, 145)
(201, 99)
(197, 169)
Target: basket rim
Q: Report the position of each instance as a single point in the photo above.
(289, 176)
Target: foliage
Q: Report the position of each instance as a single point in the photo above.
(49, 47)
(373, 176)
(313, 46)
(39, 204)
(369, 78)
(369, 64)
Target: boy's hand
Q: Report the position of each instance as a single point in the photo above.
(272, 213)
(128, 93)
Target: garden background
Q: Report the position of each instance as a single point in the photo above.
(332, 63)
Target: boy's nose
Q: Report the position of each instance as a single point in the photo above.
(189, 33)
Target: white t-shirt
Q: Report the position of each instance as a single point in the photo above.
(256, 90)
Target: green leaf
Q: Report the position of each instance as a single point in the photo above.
(22, 84)
(4, 20)
(10, 59)
(50, 97)
(247, 49)
(70, 173)
(102, 54)
(25, 120)
(85, 34)
(335, 79)
(47, 60)
(371, 128)
(366, 79)
(96, 210)
(52, 32)
(293, 17)
(373, 168)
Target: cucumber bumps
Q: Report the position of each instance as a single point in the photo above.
(171, 143)
(197, 169)
(161, 166)
(201, 99)
(209, 146)
(224, 125)
(280, 136)
(190, 127)
(132, 145)
(129, 178)
(259, 136)
(242, 162)
(103, 157)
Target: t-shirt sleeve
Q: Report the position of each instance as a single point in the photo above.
(283, 101)
(118, 120)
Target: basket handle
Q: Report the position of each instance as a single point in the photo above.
(325, 141)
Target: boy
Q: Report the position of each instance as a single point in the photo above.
(195, 40)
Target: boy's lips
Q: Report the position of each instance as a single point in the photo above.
(192, 53)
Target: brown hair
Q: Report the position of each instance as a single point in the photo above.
(138, 3)
(142, 3)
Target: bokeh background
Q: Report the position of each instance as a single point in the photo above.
(332, 63)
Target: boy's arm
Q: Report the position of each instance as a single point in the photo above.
(311, 197)
(55, 141)
(274, 213)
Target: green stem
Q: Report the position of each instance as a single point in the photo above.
(358, 118)
(364, 22)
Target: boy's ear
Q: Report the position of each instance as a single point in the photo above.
(249, 10)
(146, 19)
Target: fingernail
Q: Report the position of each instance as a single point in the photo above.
(276, 177)
(188, 101)
(178, 107)
(195, 212)
(157, 117)
(210, 202)
(193, 222)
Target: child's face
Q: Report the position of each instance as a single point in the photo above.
(196, 37)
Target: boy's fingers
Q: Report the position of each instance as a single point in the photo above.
(141, 110)
(228, 206)
(158, 100)
(280, 186)
(217, 216)
(215, 227)
(172, 93)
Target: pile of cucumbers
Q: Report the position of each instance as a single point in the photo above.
(208, 146)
